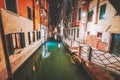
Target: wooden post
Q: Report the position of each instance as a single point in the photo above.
(33, 4)
(90, 54)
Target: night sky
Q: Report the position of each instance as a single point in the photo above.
(53, 10)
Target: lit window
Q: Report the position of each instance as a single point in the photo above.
(102, 11)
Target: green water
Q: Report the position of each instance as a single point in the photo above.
(51, 62)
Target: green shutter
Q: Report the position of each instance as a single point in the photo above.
(22, 40)
(102, 11)
(29, 37)
(79, 14)
(10, 43)
(33, 36)
(37, 35)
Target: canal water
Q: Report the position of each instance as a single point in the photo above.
(50, 62)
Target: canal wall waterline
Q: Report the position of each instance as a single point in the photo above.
(16, 60)
(78, 61)
(94, 71)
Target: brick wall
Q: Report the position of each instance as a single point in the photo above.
(96, 43)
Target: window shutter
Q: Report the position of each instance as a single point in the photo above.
(22, 40)
(29, 37)
(33, 36)
(102, 11)
(37, 35)
(10, 44)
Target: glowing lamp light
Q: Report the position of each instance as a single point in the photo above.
(84, 14)
(59, 25)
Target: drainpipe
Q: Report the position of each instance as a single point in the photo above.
(33, 14)
(87, 5)
(40, 12)
(8, 66)
(97, 11)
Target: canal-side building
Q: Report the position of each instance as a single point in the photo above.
(44, 19)
(98, 29)
(76, 19)
(103, 32)
(20, 31)
(62, 15)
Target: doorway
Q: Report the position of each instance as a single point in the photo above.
(115, 44)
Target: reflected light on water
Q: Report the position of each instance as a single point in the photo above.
(58, 45)
(45, 53)
(33, 68)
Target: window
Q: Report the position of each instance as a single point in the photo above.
(29, 13)
(68, 31)
(38, 35)
(11, 5)
(31, 37)
(73, 3)
(37, 2)
(88, 33)
(69, 6)
(15, 41)
(79, 0)
(99, 34)
(90, 16)
(71, 32)
(117, 14)
(77, 32)
(102, 11)
(79, 14)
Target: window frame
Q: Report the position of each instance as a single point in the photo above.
(29, 8)
(90, 19)
(79, 15)
(103, 6)
(16, 6)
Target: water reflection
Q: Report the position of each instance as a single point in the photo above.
(50, 62)
(45, 53)
(59, 45)
(33, 68)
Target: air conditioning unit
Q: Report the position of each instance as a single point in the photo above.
(43, 13)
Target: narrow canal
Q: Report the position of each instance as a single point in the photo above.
(51, 62)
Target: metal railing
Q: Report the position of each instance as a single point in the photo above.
(102, 58)
(105, 59)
